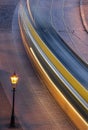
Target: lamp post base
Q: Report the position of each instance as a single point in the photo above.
(12, 126)
(12, 123)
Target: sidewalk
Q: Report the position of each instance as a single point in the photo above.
(5, 112)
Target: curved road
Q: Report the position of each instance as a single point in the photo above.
(35, 108)
(53, 41)
(64, 15)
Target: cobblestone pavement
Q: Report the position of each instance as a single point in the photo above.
(6, 14)
(34, 114)
(35, 107)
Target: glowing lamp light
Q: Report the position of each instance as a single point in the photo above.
(14, 79)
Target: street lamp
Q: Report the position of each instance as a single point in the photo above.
(14, 80)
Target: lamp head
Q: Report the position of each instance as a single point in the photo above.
(14, 79)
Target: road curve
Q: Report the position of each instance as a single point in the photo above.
(26, 25)
(35, 108)
(53, 41)
(65, 17)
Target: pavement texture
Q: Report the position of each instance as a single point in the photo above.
(5, 112)
(68, 17)
(6, 13)
(35, 107)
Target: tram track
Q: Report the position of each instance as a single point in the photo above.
(40, 29)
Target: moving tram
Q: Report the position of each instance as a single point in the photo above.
(55, 61)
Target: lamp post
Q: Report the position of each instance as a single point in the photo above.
(14, 80)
